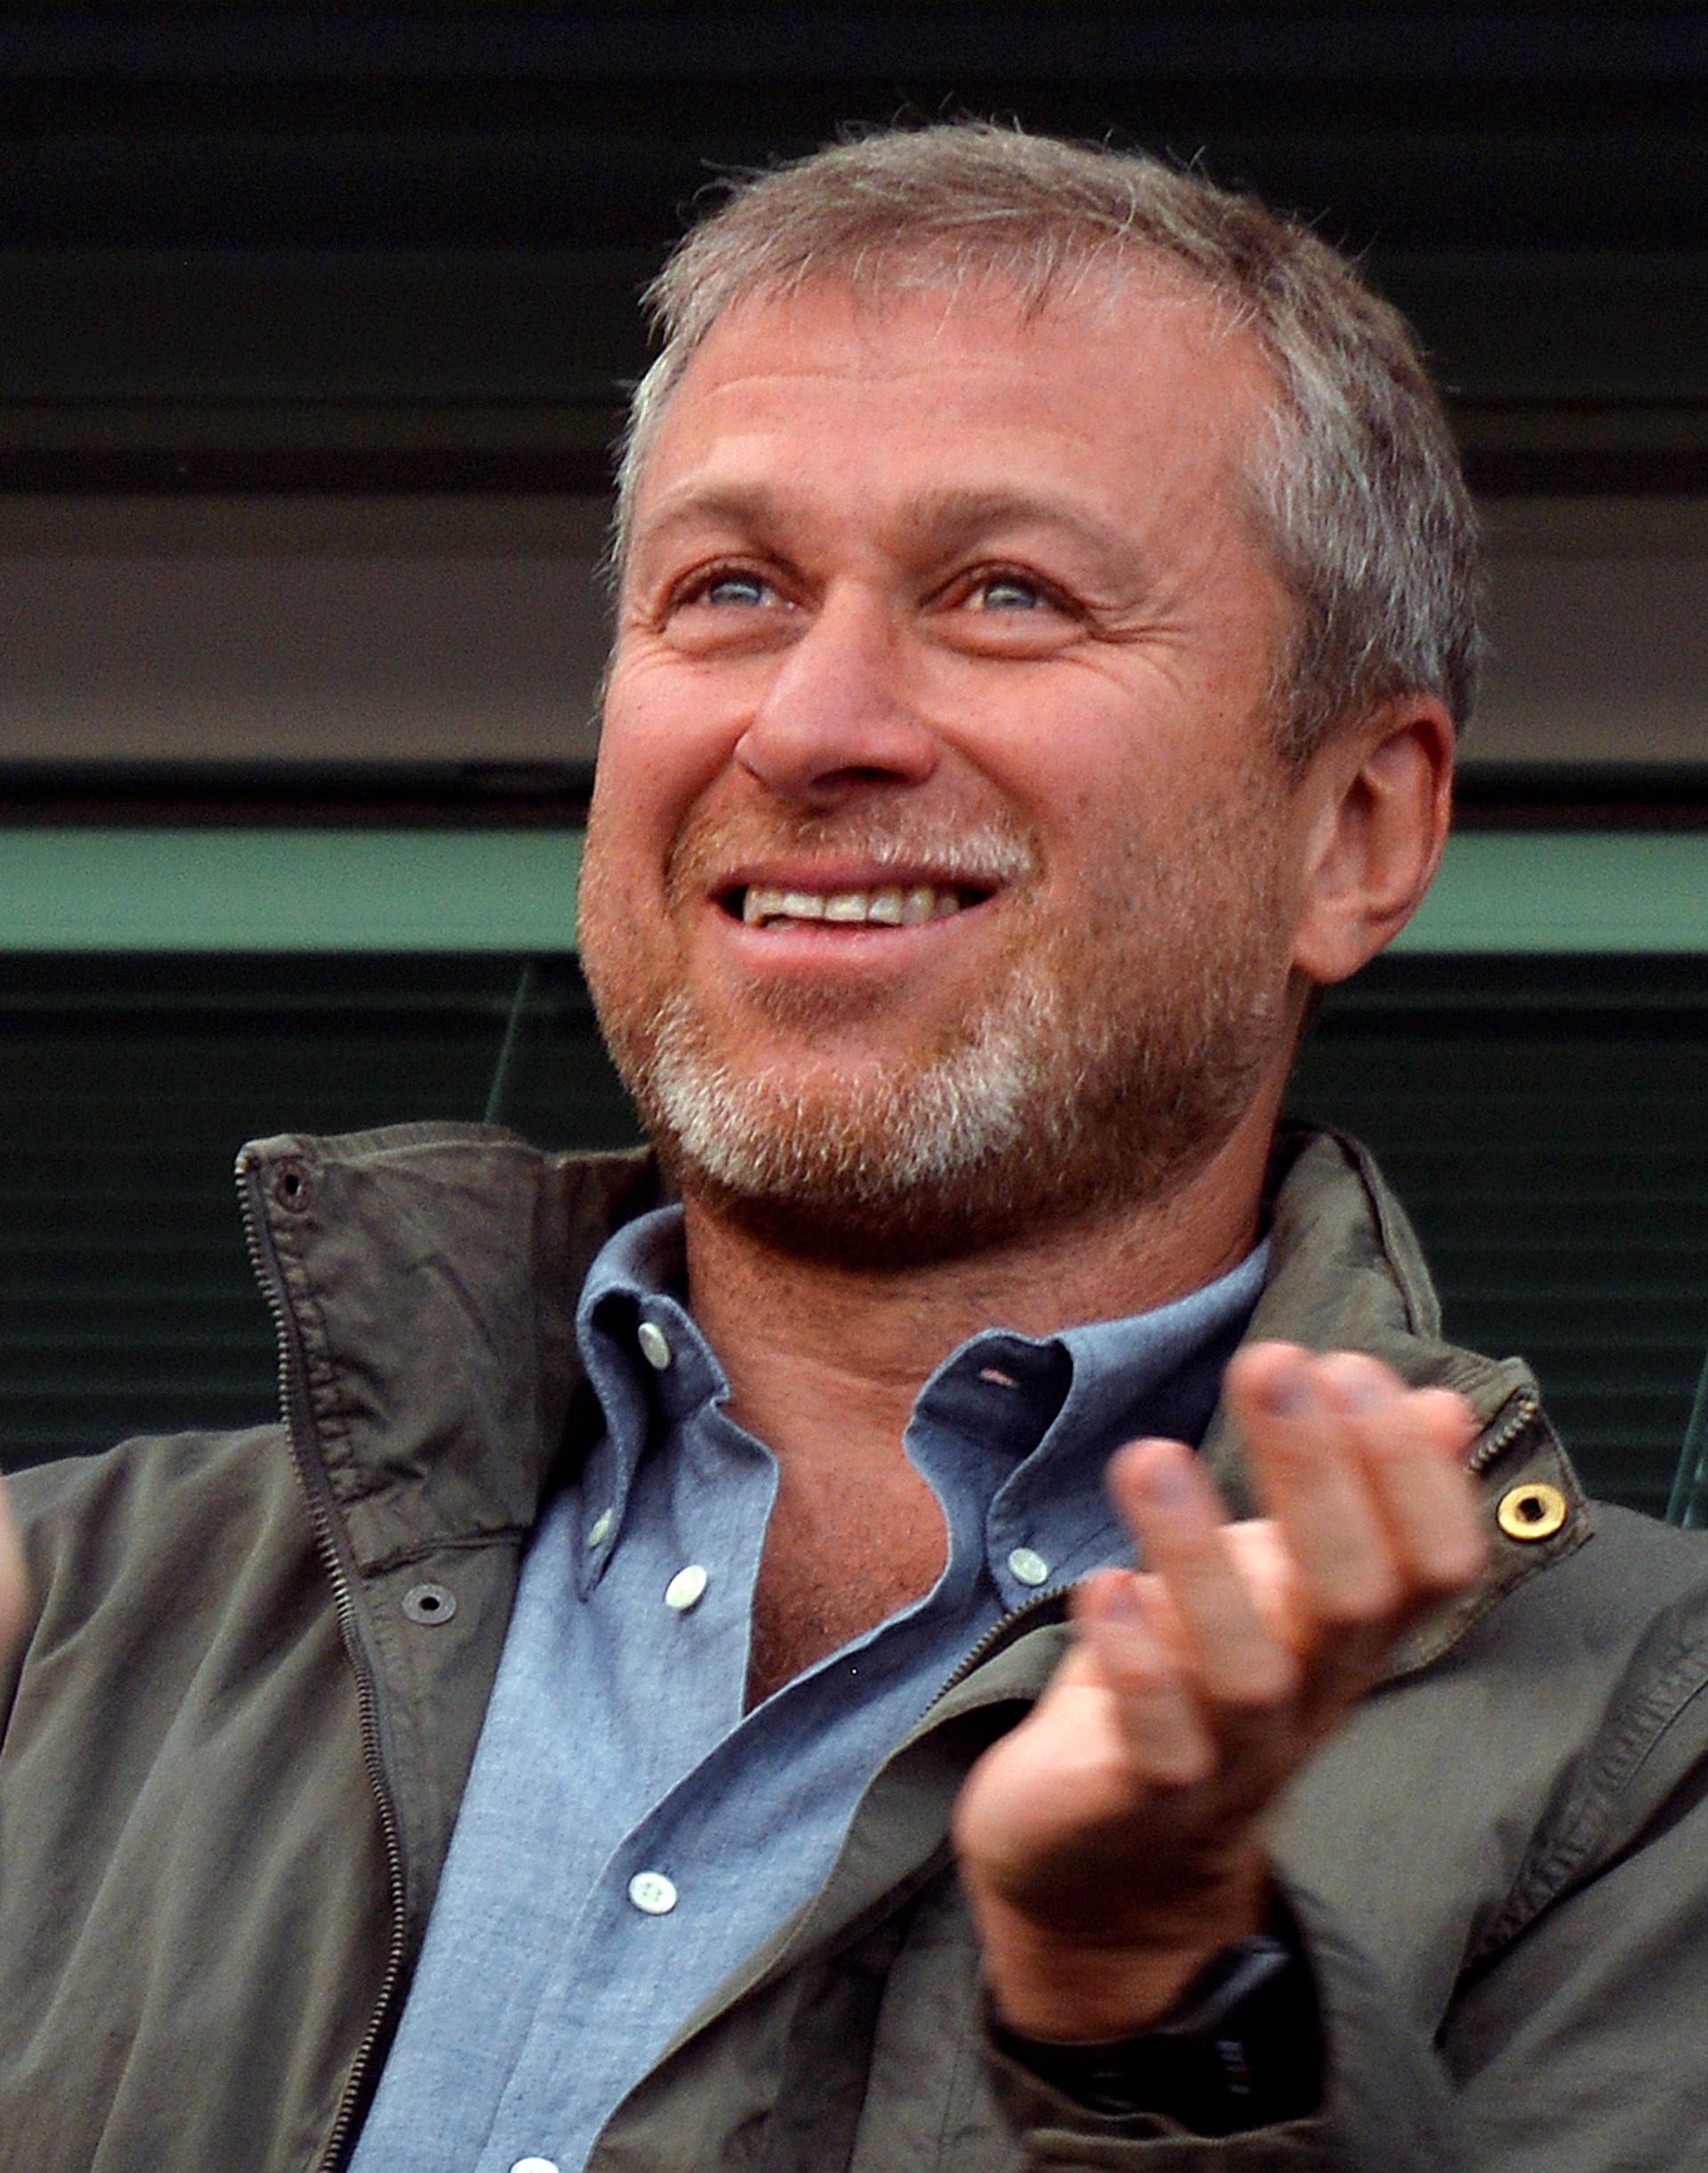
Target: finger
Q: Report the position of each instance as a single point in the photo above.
(1271, 1575)
(1226, 1640)
(1350, 1589)
(1161, 1721)
(1364, 1476)
(1412, 1443)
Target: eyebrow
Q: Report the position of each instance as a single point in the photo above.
(742, 505)
(952, 517)
(939, 520)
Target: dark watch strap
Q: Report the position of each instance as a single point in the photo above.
(1242, 2048)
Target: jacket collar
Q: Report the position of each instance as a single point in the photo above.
(1347, 1273)
(424, 1279)
(426, 1276)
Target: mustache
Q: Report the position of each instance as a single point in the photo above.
(988, 851)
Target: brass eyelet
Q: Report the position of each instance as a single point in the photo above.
(1533, 1511)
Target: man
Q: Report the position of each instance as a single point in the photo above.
(631, 1719)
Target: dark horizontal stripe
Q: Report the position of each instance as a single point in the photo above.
(600, 45)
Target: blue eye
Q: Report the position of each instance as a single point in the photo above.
(746, 589)
(1009, 592)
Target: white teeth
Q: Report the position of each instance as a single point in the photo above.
(757, 906)
(889, 907)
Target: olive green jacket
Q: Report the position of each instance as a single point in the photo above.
(235, 1743)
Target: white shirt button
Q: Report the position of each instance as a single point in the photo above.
(600, 1530)
(654, 1345)
(685, 1588)
(652, 1894)
(1027, 1567)
(534, 2165)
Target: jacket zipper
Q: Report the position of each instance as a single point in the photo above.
(998, 1635)
(323, 1520)
(1496, 1444)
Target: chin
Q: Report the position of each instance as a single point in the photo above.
(1022, 1126)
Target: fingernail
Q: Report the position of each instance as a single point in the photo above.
(1123, 1618)
(1356, 1393)
(1168, 1482)
(1121, 1604)
(1290, 1396)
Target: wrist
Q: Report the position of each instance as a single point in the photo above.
(1059, 1995)
(1046, 1985)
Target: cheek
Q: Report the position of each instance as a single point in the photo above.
(667, 733)
(600, 921)
(655, 689)
(1060, 768)
(641, 775)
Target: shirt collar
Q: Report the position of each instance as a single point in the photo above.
(645, 1356)
(1153, 1372)
(1051, 1408)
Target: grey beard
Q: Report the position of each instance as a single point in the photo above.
(996, 1137)
(1066, 1098)
(874, 1151)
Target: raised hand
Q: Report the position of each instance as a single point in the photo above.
(1113, 1842)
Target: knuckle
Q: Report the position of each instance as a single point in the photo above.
(1446, 1411)
(1450, 1569)
(1181, 1766)
(1363, 1603)
(1265, 1683)
(1355, 1374)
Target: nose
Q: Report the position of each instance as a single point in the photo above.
(833, 721)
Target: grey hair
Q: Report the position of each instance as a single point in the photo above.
(1357, 492)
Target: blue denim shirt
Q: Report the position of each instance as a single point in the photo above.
(629, 1834)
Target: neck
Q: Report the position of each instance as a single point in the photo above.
(825, 1361)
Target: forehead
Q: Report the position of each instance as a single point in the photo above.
(1122, 384)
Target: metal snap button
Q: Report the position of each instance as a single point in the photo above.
(291, 1189)
(429, 1602)
(1535, 1511)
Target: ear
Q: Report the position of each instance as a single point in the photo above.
(1380, 795)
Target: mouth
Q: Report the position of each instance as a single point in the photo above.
(881, 905)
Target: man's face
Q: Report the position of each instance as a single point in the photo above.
(939, 876)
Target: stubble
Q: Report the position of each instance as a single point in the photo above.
(1099, 1066)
